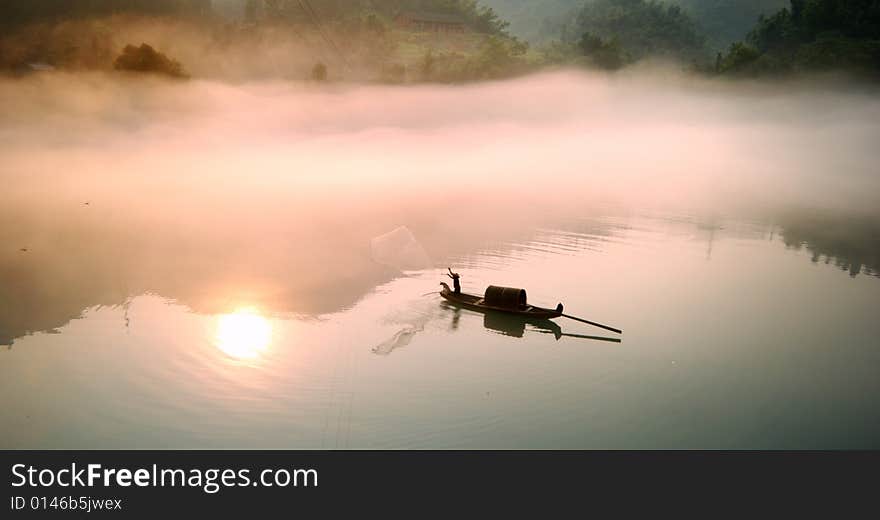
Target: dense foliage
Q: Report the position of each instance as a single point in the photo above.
(811, 35)
(727, 21)
(605, 54)
(17, 13)
(722, 21)
(537, 21)
(351, 38)
(488, 52)
(642, 28)
(360, 35)
(478, 16)
(496, 57)
(147, 59)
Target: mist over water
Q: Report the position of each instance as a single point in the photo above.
(614, 137)
(194, 201)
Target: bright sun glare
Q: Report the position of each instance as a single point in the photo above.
(243, 334)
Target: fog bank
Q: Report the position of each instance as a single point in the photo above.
(628, 137)
(270, 192)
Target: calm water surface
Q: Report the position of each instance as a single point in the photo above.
(207, 266)
(732, 339)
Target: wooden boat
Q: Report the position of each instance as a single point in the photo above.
(500, 299)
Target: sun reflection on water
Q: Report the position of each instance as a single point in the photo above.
(243, 334)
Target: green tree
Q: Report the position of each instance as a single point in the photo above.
(643, 28)
(147, 59)
(814, 35)
(739, 57)
(604, 54)
(727, 21)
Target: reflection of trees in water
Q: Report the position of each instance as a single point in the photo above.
(28, 308)
(283, 260)
(75, 268)
(852, 244)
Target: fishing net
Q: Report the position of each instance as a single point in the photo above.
(399, 249)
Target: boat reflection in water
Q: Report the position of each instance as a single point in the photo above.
(243, 334)
(515, 326)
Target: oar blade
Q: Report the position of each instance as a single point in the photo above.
(593, 323)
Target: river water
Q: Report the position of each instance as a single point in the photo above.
(255, 266)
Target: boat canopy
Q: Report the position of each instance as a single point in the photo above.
(505, 297)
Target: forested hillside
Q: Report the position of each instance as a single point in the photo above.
(18, 13)
(721, 21)
(810, 35)
(726, 21)
(360, 39)
(479, 16)
(642, 29)
(536, 21)
(332, 39)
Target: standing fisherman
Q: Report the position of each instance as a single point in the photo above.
(456, 284)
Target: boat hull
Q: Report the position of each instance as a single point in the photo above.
(476, 303)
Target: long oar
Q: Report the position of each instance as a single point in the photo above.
(597, 338)
(593, 323)
(579, 336)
